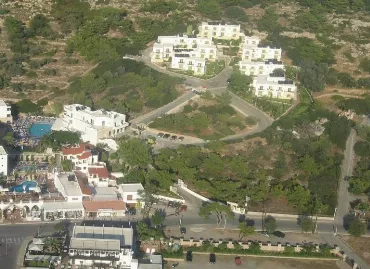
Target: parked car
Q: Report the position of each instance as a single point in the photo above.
(170, 204)
(228, 80)
(238, 261)
(183, 230)
(166, 136)
(131, 211)
(189, 256)
(174, 137)
(279, 234)
(183, 208)
(160, 134)
(181, 138)
(212, 258)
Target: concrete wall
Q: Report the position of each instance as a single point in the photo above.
(166, 198)
(184, 187)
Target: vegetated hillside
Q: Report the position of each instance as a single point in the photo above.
(328, 40)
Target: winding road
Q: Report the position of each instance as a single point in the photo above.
(217, 85)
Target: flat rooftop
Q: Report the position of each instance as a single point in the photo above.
(135, 187)
(95, 244)
(2, 150)
(71, 187)
(124, 236)
(2, 103)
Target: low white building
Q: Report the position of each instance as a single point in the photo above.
(130, 194)
(67, 184)
(5, 112)
(3, 161)
(274, 87)
(93, 125)
(99, 176)
(219, 30)
(187, 63)
(250, 68)
(102, 247)
(252, 50)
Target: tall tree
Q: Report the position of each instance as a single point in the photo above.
(270, 224)
(147, 199)
(222, 212)
(134, 152)
(157, 218)
(245, 230)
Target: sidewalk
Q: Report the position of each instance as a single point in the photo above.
(22, 251)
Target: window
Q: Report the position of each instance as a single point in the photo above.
(74, 199)
(280, 89)
(203, 51)
(181, 61)
(243, 67)
(289, 89)
(234, 30)
(181, 40)
(190, 63)
(206, 28)
(129, 197)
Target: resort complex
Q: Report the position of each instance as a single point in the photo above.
(94, 125)
(191, 54)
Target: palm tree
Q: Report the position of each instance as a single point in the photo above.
(52, 244)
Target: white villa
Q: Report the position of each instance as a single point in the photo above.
(219, 30)
(3, 161)
(250, 68)
(275, 87)
(188, 53)
(102, 246)
(251, 50)
(93, 125)
(81, 156)
(5, 112)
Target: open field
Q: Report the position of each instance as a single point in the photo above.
(361, 245)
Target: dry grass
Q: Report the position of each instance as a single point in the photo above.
(361, 245)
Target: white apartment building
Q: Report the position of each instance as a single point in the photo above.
(275, 87)
(167, 46)
(252, 50)
(81, 156)
(5, 112)
(3, 161)
(93, 125)
(250, 68)
(219, 30)
(102, 247)
(130, 194)
(187, 63)
(98, 176)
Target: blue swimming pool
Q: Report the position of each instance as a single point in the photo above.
(24, 186)
(39, 129)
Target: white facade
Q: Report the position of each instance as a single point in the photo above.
(98, 176)
(68, 186)
(219, 30)
(102, 246)
(251, 50)
(81, 156)
(187, 63)
(166, 46)
(130, 193)
(3, 161)
(5, 112)
(93, 125)
(250, 68)
(274, 87)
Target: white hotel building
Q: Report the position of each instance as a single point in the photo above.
(219, 30)
(251, 50)
(274, 87)
(249, 68)
(93, 125)
(5, 112)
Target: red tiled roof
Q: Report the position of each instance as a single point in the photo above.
(101, 172)
(85, 155)
(75, 150)
(94, 206)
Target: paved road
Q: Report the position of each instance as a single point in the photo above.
(346, 171)
(11, 238)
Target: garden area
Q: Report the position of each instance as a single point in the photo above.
(208, 118)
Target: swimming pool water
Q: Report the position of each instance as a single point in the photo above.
(27, 185)
(39, 129)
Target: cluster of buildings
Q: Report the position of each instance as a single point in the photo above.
(191, 53)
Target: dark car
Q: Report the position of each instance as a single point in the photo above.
(279, 234)
(160, 134)
(212, 258)
(171, 204)
(181, 138)
(183, 230)
(174, 137)
(189, 256)
(166, 136)
(228, 80)
(131, 211)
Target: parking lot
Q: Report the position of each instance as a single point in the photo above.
(226, 262)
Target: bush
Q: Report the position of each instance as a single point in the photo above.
(50, 72)
(236, 13)
(362, 148)
(31, 74)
